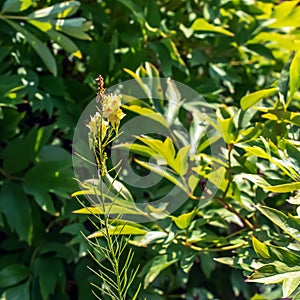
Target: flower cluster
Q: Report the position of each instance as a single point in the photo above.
(109, 113)
(98, 127)
(111, 109)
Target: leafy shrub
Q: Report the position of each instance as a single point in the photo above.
(222, 49)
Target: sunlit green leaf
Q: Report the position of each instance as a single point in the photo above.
(181, 160)
(226, 128)
(289, 224)
(283, 254)
(281, 188)
(295, 72)
(202, 25)
(251, 99)
(148, 113)
(278, 273)
(290, 284)
(285, 14)
(260, 248)
(119, 230)
(112, 209)
(257, 151)
(168, 146)
(183, 221)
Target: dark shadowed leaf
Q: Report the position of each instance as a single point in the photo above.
(13, 274)
(14, 292)
(50, 272)
(16, 5)
(41, 49)
(16, 207)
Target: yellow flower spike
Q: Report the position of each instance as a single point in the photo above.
(110, 104)
(111, 109)
(115, 117)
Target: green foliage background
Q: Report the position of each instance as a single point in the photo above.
(50, 54)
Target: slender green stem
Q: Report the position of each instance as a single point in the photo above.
(11, 177)
(225, 248)
(108, 236)
(222, 200)
(114, 275)
(230, 148)
(23, 18)
(238, 232)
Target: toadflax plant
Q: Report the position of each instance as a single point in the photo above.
(108, 242)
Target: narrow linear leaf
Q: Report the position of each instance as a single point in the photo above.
(112, 209)
(119, 230)
(283, 188)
